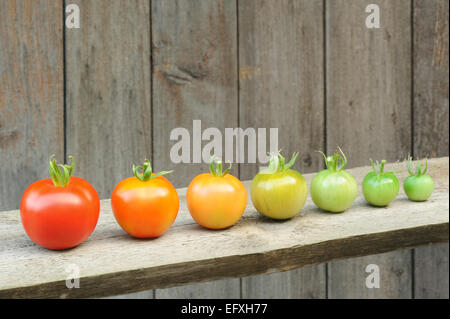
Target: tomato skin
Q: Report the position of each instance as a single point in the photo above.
(333, 191)
(380, 190)
(216, 202)
(280, 195)
(145, 209)
(418, 188)
(59, 217)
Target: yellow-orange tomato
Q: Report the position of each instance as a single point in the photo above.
(145, 208)
(216, 201)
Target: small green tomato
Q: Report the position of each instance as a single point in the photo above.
(418, 186)
(334, 189)
(380, 188)
(279, 192)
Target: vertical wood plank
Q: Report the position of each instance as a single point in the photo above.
(109, 92)
(369, 116)
(307, 282)
(431, 111)
(431, 97)
(281, 79)
(431, 272)
(220, 289)
(194, 78)
(31, 94)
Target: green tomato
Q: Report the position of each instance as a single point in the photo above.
(380, 188)
(279, 192)
(334, 189)
(418, 186)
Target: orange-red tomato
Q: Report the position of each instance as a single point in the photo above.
(216, 201)
(145, 208)
(59, 215)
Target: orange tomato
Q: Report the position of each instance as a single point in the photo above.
(216, 200)
(145, 205)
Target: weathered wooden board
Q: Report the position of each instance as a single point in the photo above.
(431, 95)
(192, 82)
(108, 125)
(219, 289)
(31, 94)
(307, 282)
(109, 117)
(430, 114)
(281, 85)
(194, 78)
(111, 262)
(369, 116)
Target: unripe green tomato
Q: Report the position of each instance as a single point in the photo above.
(380, 190)
(279, 195)
(333, 191)
(279, 192)
(418, 188)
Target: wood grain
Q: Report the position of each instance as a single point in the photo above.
(304, 283)
(194, 78)
(111, 262)
(431, 107)
(369, 115)
(219, 289)
(281, 78)
(108, 91)
(31, 94)
(192, 82)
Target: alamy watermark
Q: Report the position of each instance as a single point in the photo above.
(232, 146)
(373, 279)
(73, 277)
(73, 16)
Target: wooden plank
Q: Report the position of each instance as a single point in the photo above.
(369, 114)
(431, 107)
(281, 79)
(31, 93)
(111, 262)
(108, 90)
(194, 78)
(431, 95)
(219, 289)
(431, 272)
(307, 282)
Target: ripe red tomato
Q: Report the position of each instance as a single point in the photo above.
(145, 205)
(59, 212)
(216, 200)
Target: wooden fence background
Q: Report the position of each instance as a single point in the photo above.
(110, 92)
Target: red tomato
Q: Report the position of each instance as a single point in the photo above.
(145, 205)
(216, 200)
(59, 216)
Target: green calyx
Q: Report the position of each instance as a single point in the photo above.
(216, 169)
(335, 163)
(60, 173)
(419, 171)
(144, 173)
(378, 168)
(277, 164)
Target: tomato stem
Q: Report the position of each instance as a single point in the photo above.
(277, 163)
(380, 166)
(144, 173)
(60, 173)
(217, 170)
(335, 163)
(418, 171)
